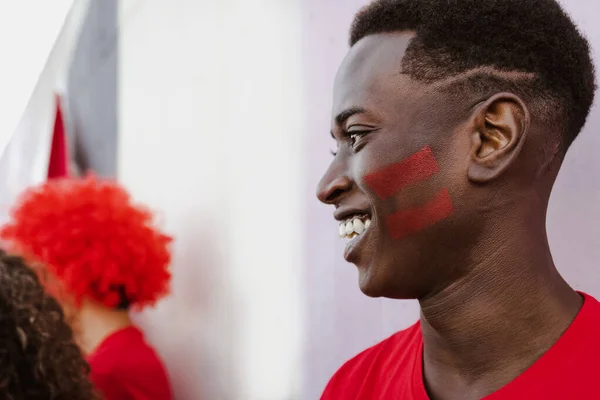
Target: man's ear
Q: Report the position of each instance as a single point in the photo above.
(499, 128)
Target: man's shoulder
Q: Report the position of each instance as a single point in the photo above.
(399, 342)
(395, 349)
(588, 318)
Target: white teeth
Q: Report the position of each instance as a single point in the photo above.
(358, 225)
(349, 227)
(354, 227)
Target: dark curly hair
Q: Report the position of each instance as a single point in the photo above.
(535, 37)
(38, 355)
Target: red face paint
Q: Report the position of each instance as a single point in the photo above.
(389, 180)
(405, 222)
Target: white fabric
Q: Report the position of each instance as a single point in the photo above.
(24, 161)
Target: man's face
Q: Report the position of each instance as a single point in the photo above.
(398, 175)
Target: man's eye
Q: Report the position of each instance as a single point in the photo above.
(355, 136)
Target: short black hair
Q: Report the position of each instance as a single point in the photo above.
(452, 37)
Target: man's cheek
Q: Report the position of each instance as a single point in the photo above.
(405, 222)
(388, 181)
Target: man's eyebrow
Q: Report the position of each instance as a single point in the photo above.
(344, 115)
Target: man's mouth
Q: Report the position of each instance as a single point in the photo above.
(354, 226)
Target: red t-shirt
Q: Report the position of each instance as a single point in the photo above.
(125, 367)
(392, 369)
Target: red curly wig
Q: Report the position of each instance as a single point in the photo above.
(90, 236)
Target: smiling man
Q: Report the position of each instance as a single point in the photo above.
(452, 119)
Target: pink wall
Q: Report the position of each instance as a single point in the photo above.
(575, 205)
(342, 321)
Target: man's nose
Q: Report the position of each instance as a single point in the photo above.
(333, 184)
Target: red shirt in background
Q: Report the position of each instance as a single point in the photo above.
(392, 369)
(125, 367)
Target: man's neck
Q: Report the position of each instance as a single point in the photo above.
(97, 322)
(488, 327)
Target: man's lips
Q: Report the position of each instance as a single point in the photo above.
(343, 213)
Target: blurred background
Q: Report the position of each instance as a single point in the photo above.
(216, 114)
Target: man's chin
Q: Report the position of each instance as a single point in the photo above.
(370, 285)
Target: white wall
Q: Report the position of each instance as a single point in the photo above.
(211, 122)
(25, 151)
(26, 39)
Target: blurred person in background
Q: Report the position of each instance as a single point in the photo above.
(101, 257)
(452, 119)
(39, 359)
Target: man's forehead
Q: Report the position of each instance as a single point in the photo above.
(371, 68)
